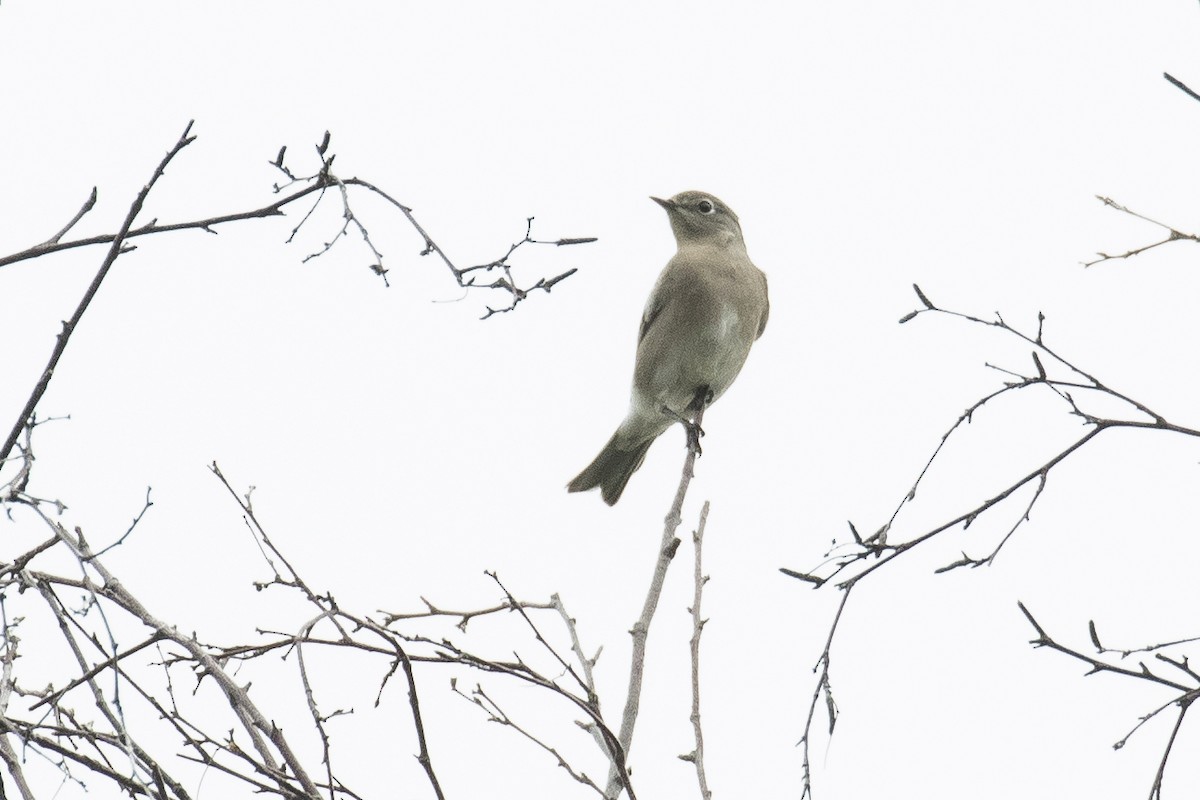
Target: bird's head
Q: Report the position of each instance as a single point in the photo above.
(698, 217)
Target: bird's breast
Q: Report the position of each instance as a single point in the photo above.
(727, 321)
(701, 336)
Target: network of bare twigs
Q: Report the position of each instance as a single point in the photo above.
(850, 562)
(321, 183)
(93, 725)
(83, 727)
(325, 180)
(293, 189)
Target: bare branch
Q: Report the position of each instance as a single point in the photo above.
(1187, 694)
(464, 617)
(87, 206)
(115, 249)
(1181, 85)
(850, 562)
(481, 700)
(666, 553)
(1173, 235)
(823, 688)
(698, 621)
(519, 608)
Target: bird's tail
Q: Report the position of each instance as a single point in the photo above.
(611, 469)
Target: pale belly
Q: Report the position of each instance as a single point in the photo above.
(712, 357)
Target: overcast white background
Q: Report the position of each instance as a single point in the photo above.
(400, 447)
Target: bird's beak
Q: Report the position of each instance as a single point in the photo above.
(667, 204)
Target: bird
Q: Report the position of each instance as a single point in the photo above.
(706, 310)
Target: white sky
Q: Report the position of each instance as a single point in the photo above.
(400, 447)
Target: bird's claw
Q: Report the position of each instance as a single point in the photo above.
(694, 432)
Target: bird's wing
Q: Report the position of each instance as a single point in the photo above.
(762, 324)
(653, 309)
(664, 288)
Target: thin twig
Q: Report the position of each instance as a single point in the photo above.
(7, 753)
(464, 617)
(1156, 786)
(423, 757)
(586, 665)
(698, 622)
(1181, 85)
(823, 687)
(1188, 694)
(87, 206)
(489, 706)
(207, 225)
(1173, 235)
(115, 249)
(145, 507)
(519, 608)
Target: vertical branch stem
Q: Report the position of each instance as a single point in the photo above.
(641, 628)
(699, 579)
(423, 757)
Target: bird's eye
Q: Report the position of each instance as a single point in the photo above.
(706, 207)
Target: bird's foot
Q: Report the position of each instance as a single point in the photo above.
(694, 432)
(703, 399)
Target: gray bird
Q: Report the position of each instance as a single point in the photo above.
(706, 310)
